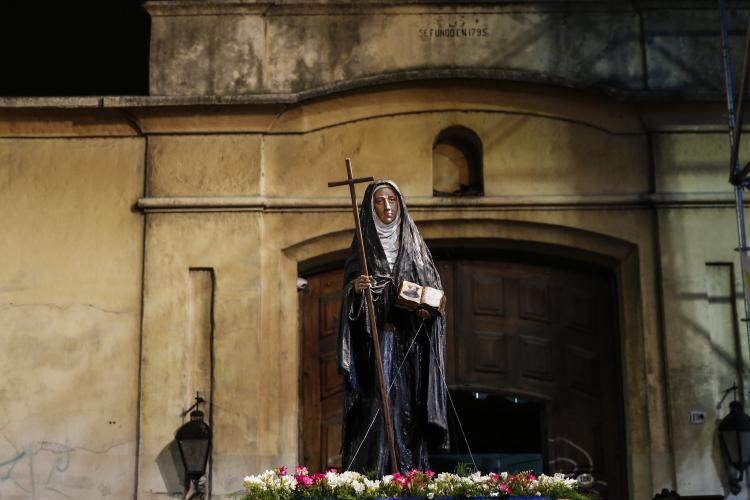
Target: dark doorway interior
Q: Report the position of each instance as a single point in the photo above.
(497, 432)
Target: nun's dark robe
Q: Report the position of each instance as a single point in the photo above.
(418, 395)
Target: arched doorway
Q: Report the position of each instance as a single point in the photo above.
(533, 364)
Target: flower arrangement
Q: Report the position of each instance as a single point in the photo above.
(279, 484)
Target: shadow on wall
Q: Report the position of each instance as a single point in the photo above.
(170, 468)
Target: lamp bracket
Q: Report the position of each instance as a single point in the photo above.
(726, 393)
(200, 400)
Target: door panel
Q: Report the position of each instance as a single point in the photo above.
(321, 384)
(559, 335)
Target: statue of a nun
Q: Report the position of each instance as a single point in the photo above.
(412, 343)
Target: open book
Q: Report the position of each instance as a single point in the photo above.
(413, 296)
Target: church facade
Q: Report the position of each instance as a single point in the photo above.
(566, 163)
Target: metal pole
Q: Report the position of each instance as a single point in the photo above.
(735, 175)
(733, 125)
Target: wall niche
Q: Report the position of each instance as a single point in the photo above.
(457, 163)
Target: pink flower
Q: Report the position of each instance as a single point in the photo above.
(531, 477)
(282, 471)
(504, 488)
(400, 479)
(429, 473)
(300, 470)
(332, 470)
(305, 480)
(318, 477)
(494, 476)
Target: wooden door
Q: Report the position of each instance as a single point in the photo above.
(550, 334)
(321, 384)
(546, 332)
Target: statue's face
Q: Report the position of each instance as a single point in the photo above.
(385, 201)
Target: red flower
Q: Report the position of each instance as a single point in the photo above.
(282, 471)
(318, 477)
(429, 473)
(504, 488)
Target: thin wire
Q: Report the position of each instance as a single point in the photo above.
(363, 440)
(388, 391)
(455, 412)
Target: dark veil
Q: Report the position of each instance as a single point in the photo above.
(355, 357)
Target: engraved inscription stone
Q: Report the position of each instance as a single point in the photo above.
(455, 27)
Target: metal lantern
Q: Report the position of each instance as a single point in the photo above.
(194, 442)
(734, 432)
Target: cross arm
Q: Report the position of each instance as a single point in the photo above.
(351, 181)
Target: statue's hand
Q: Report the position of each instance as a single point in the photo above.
(361, 283)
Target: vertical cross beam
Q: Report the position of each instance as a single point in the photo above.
(351, 181)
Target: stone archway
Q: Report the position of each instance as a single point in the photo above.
(620, 258)
(537, 330)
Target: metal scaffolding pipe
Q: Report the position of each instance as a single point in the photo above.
(734, 127)
(735, 177)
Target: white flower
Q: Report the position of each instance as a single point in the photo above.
(371, 484)
(288, 482)
(430, 495)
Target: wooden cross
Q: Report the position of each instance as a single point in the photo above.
(370, 307)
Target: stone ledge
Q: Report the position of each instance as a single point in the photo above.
(269, 7)
(52, 102)
(430, 203)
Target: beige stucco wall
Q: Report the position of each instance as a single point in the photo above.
(70, 295)
(552, 147)
(704, 342)
(282, 47)
(227, 244)
(241, 191)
